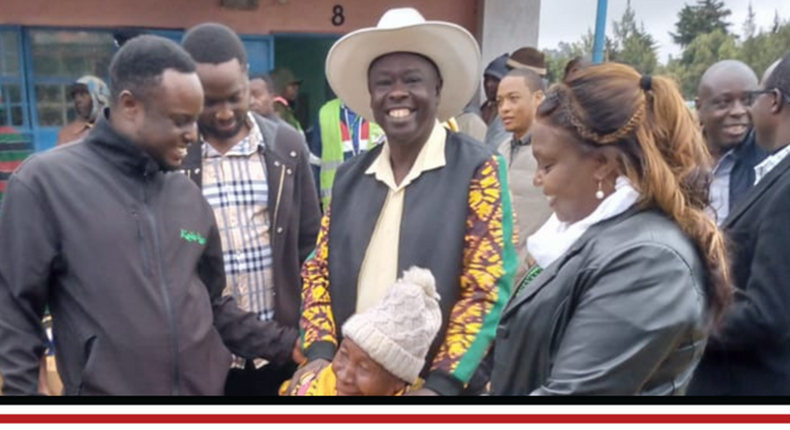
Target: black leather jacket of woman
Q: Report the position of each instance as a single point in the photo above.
(623, 312)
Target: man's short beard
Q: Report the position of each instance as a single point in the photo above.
(212, 132)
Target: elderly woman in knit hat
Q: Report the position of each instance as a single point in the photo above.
(384, 348)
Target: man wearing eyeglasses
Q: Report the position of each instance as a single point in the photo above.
(749, 354)
(722, 102)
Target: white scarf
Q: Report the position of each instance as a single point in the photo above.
(554, 238)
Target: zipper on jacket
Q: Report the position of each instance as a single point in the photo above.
(141, 242)
(279, 196)
(168, 306)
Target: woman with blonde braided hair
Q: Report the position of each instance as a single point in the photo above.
(629, 275)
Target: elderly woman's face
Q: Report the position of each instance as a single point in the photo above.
(566, 172)
(358, 375)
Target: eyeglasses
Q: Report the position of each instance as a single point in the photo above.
(751, 96)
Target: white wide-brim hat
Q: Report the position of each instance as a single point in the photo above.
(451, 47)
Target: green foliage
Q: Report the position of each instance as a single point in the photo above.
(766, 47)
(632, 44)
(556, 59)
(706, 16)
(702, 53)
(749, 26)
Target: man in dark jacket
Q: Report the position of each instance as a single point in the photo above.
(127, 256)
(750, 353)
(722, 103)
(255, 175)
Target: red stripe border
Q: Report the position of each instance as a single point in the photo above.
(395, 419)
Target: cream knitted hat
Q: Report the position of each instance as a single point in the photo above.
(398, 332)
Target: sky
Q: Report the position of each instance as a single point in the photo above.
(659, 16)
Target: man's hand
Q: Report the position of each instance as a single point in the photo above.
(297, 355)
(43, 382)
(313, 366)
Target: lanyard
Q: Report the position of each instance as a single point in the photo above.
(352, 129)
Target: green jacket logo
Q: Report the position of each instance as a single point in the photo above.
(191, 236)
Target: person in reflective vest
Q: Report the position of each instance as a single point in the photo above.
(339, 135)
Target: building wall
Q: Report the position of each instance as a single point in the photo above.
(507, 25)
(297, 16)
(48, 33)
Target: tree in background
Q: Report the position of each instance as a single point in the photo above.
(630, 44)
(749, 26)
(762, 49)
(702, 18)
(556, 59)
(701, 53)
(633, 45)
(777, 22)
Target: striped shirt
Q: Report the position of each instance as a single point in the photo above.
(235, 185)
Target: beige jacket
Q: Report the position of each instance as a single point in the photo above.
(531, 206)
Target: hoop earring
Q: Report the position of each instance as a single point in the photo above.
(599, 194)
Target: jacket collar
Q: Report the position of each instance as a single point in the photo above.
(524, 141)
(118, 149)
(757, 192)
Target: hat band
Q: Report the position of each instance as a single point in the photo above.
(516, 65)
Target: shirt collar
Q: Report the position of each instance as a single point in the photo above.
(524, 141)
(725, 163)
(248, 145)
(348, 115)
(762, 169)
(431, 157)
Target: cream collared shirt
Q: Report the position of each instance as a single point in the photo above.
(380, 265)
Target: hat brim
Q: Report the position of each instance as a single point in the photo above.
(513, 64)
(453, 49)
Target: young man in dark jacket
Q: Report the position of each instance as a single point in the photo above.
(255, 175)
(126, 255)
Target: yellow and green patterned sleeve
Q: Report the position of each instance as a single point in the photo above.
(317, 324)
(487, 276)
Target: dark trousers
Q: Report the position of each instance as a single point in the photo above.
(265, 381)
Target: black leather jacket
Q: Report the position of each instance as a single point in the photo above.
(622, 312)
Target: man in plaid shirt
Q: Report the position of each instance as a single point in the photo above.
(256, 176)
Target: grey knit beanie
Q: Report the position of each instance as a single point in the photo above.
(397, 333)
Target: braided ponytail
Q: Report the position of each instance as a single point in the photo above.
(672, 142)
(659, 148)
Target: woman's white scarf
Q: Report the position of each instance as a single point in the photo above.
(555, 237)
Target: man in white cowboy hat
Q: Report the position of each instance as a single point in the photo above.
(428, 197)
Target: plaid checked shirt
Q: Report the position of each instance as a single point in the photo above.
(235, 186)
